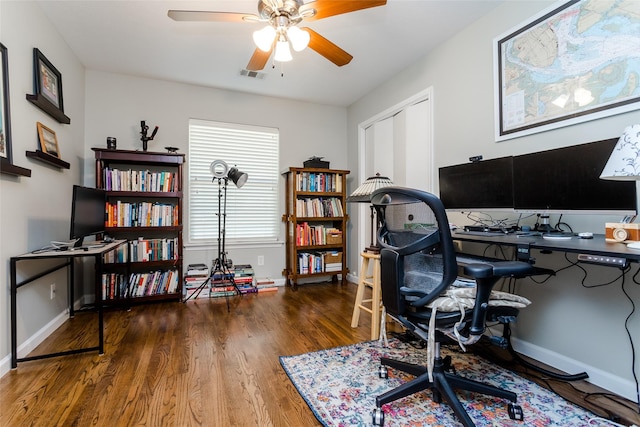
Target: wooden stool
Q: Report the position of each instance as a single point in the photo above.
(374, 303)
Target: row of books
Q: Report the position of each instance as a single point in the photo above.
(161, 249)
(307, 234)
(142, 250)
(319, 182)
(116, 285)
(141, 214)
(319, 262)
(319, 207)
(139, 180)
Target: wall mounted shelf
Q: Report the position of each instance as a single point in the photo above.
(8, 168)
(48, 158)
(46, 106)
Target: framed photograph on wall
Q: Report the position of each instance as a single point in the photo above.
(47, 80)
(569, 64)
(48, 140)
(5, 118)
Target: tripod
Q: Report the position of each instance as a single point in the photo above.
(220, 269)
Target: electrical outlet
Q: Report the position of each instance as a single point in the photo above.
(52, 295)
(260, 259)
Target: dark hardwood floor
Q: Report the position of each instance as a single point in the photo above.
(175, 364)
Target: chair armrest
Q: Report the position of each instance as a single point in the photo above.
(486, 276)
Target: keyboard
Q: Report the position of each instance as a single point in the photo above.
(480, 233)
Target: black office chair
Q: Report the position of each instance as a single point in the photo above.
(418, 265)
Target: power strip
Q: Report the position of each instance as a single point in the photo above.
(603, 260)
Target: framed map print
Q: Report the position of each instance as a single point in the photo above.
(576, 62)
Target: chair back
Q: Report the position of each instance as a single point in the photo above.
(417, 257)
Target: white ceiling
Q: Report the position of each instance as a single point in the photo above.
(137, 38)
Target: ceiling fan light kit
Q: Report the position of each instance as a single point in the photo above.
(264, 38)
(299, 38)
(282, 17)
(283, 53)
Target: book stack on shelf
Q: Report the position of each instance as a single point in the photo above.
(309, 235)
(141, 214)
(118, 255)
(139, 180)
(319, 181)
(194, 278)
(117, 285)
(161, 249)
(318, 206)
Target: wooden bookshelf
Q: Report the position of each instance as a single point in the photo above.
(144, 206)
(316, 223)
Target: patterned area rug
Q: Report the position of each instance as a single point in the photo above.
(340, 386)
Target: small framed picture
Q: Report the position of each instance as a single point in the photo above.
(47, 79)
(5, 121)
(48, 141)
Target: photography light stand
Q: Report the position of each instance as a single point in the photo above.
(221, 264)
(220, 269)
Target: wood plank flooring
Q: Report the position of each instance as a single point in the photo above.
(191, 364)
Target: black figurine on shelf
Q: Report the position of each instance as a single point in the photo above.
(143, 134)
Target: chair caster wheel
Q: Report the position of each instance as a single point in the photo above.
(515, 412)
(383, 372)
(378, 417)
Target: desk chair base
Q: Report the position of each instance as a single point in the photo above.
(445, 381)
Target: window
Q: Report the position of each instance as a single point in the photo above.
(252, 211)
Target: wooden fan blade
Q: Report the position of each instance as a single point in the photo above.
(328, 49)
(258, 60)
(206, 16)
(326, 8)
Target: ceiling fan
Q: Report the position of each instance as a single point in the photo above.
(282, 18)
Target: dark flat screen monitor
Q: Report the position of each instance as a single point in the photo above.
(478, 186)
(567, 180)
(87, 213)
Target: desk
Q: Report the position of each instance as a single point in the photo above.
(596, 250)
(67, 257)
(597, 246)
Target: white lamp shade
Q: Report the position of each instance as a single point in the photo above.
(264, 38)
(363, 193)
(299, 38)
(624, 161)
(283, 53)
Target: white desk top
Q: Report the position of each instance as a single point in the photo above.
(89, 249)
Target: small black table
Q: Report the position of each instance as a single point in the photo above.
(92, 249)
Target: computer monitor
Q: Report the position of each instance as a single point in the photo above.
(486, 185)
(87, 213)
(567, 180)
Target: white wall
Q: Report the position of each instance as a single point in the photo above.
(36, 210)
(116, 104)
(566, 324)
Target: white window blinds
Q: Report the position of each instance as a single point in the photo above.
(252, 211)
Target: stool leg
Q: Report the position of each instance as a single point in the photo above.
(364, 269)
(375, 301)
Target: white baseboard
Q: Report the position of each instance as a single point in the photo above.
(618, 385)
(33, 341)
